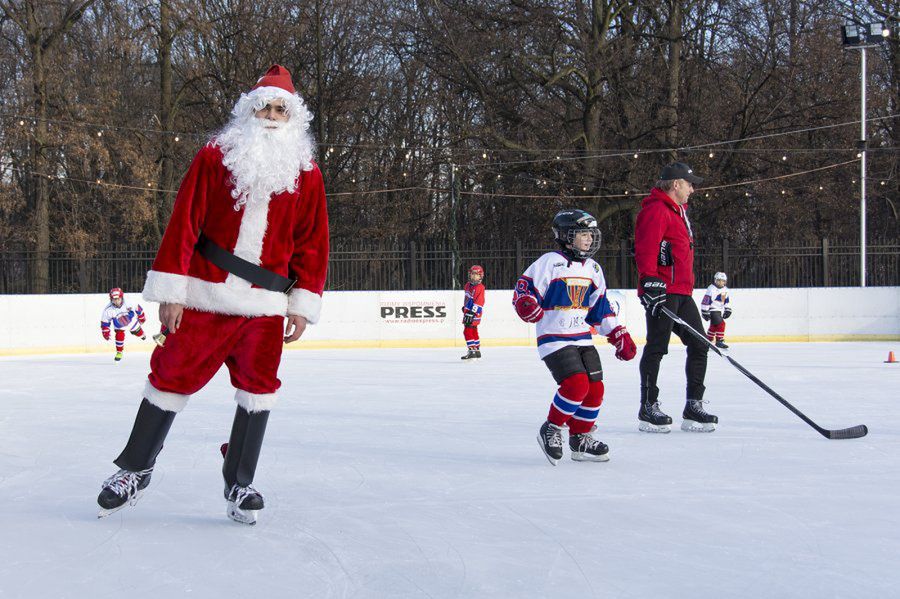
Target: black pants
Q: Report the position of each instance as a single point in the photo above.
(659, 331)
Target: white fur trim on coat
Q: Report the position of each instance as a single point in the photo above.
(255, 402)
(305, 303)
(165, 288)
(233, 297)
(171, 402)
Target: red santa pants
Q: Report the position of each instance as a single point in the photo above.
(249, 347)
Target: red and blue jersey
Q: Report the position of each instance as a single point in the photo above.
(474, 301)
(573, 296)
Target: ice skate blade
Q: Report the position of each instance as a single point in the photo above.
(692, 426)
(239, 515)
(553, 461)
(581, 456)
(103, 513)
(647, 427)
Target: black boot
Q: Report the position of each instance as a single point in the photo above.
(241, 457)
(151, 425)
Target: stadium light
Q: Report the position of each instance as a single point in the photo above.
(859, 36)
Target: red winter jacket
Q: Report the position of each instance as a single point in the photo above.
(661, 219)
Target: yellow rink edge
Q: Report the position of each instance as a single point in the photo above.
(145, 347)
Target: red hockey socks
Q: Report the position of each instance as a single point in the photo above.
(586, 414)
(716, 332)
(472, 341)
(567, 401)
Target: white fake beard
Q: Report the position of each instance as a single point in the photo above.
(264, 161)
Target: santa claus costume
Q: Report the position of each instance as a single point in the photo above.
(247, 244)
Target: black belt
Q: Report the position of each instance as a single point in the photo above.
(248, 271)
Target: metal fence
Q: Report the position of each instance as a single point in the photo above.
(368, 265)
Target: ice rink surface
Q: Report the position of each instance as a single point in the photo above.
(406, 473)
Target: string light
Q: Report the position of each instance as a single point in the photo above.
(21, 123)
(484, 155)
(99, 133)
(176, 138)
(784, 157)
(710, 154)
(635, 155)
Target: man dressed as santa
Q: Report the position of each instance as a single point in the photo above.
(246, 245)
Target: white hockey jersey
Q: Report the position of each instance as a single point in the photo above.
(573, 296)
(123, 317)
(715, 299)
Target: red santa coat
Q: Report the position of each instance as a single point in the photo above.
(287, 235)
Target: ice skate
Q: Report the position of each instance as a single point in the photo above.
(118, 356)
(122, 489)
(473, 354)
(550, 439)
(696, 419)
(243, 503)
(721, 344)
(585, 448)
(653, 420)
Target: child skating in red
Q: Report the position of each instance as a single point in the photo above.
(472, 311)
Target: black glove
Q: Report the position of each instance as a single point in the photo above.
(654, 296)
(468, 318)
(727, 312)
(704, 314)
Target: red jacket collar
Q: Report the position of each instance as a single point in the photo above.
(658, 195)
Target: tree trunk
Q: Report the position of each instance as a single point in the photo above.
(674, 76)
(40, 272)
(166, 181)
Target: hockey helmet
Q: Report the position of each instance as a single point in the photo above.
(116, 293)
(477, 270)
(720, 276)
(569, 223)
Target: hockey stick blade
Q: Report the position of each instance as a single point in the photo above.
(854, 432)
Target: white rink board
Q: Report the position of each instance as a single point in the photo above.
(71, 323)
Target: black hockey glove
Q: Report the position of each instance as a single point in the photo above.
(468, 318)
(727, 312)
(705, 314)
(654, 295)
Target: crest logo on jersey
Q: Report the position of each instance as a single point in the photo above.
(577, 291)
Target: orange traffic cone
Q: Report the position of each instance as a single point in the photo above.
(891, 358)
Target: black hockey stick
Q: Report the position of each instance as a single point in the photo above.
(854, 432)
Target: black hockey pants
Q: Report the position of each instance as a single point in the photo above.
(659, 331)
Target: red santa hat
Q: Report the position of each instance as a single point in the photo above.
(276, 83)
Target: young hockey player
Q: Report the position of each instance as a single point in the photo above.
(472, 310)
(564, 292)
(121, 316)
(715, 309)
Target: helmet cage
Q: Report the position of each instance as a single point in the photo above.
(595, 241)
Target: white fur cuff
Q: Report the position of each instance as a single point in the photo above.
(255, 402)
(171, 402)
(165, 288)
(305, 303)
